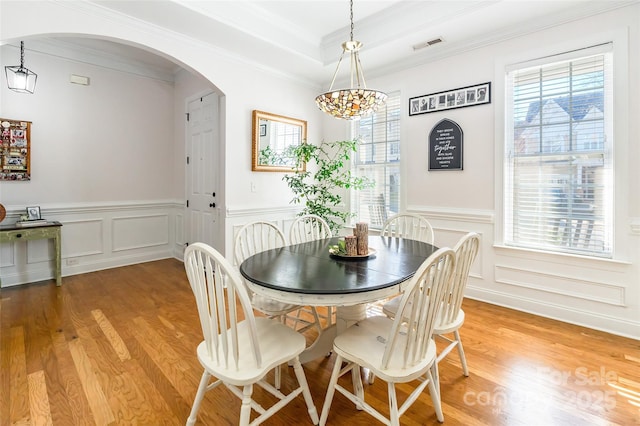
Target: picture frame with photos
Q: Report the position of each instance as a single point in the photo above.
(15, 150)
(478, 94)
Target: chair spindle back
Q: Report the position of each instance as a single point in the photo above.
(466, 251)
(256, 237)
(409, 226)
(309, 228)
(217, 287)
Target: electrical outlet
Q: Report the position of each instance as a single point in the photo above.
(72, 261)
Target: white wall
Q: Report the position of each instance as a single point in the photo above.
(109, 141)
(603, 294)
(102, 163)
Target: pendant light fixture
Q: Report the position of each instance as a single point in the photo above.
(358, 101)
(19, 78)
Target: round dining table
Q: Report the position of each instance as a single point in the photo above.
(307, 274)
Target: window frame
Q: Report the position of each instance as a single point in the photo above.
(620, 163)
(392, 147)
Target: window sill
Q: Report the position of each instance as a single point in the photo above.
(554, 257)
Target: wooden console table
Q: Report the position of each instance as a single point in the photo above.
(10, 233)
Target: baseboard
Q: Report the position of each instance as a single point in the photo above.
(583, 318)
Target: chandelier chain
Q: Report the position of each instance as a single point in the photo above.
(355, 102)
(351, 17)
(21, 54)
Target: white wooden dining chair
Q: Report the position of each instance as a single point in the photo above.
(236, 352)
(309, 227)
(451, 317)
(306, 228)
(406, 225)
(256, 237)
(395, 350)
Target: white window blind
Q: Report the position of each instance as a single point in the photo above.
(558, 171)
(378, 158)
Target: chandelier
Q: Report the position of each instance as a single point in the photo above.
(19, 78)
(358, 101)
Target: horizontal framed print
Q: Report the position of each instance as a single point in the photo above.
(461, 97)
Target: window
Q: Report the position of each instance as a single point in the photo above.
(558, 172)
(378, 158)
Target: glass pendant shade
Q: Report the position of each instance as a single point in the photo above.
(19, 78)
(355, 102)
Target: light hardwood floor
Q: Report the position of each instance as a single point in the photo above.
(118, 347)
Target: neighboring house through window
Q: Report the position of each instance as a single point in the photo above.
(559, 143)
(378, 158)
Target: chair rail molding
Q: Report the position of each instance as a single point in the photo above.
(454, 214)
(232, 212)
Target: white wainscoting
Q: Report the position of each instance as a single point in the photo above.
(602, 294)
(95, 237)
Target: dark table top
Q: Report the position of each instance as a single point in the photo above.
(308, 268)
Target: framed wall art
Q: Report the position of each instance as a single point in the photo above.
(15, 150)
(33, 213)
(445, 146)
(461, 97)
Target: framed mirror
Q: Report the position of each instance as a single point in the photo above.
(273, 137)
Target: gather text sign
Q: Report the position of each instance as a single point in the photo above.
(445, 146)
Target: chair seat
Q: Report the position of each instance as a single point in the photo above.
(450, 327)
(365, 343)
(271, 307)
(278, 344)
(391, 307)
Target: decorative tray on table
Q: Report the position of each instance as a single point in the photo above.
(339, 250)
(335, 253)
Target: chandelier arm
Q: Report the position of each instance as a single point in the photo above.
(352, 65)
(359, 72)
(335, 74)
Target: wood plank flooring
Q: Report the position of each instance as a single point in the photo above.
(117, 347)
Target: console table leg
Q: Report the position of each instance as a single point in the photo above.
(58, 244)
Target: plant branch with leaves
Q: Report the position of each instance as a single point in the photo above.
(317, 189)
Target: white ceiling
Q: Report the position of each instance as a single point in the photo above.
(302, 38)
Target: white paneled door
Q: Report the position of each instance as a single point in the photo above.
(202, 218)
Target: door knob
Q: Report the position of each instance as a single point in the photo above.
(212, 205)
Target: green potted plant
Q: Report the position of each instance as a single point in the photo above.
(327, 171)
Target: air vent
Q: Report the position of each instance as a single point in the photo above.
(79, 79)
(427, 43)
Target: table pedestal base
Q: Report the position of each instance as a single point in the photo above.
(323, 345)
